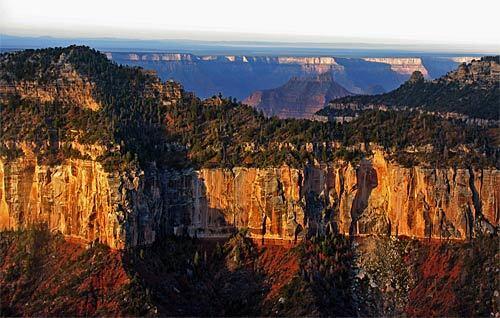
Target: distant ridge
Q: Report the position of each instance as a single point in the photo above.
(341, 48)
(471, 90)
(300, 97)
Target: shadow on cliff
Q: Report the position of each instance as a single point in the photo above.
(205, 220)
(199, 273)
(363, 221)
(200, 264)
(323, 283)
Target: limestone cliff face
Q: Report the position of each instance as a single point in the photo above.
(376, 197)
(301, 60)
(79, 199)
(308, 64)
(313, 65)
(402, 65)
(266, 201)
(75, 198)
(423, 202)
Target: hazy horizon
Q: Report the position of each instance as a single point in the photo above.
(428, 25)
(242, 47)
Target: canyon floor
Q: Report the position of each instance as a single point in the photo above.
(44, 274)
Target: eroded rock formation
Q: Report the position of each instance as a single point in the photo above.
(484, 72)
(402, 65)
(69, 87)
(300, 97)
(241, 75)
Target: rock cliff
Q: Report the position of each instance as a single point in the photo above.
(484, 72)
(80, 200)
(299, 97)
(75, 198)
(375, 197)
(402, 65)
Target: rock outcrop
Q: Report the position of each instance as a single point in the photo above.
(69, 86)
(402, 65)
(298, 98)
(484, 72)
(80, 200)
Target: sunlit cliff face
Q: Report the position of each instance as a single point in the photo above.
(402, 65)
(80, 200)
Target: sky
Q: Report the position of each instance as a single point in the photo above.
(457, 22)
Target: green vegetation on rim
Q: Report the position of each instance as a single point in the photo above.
(471, 90)
(137, 124)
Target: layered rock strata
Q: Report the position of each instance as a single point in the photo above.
(241, 75)
(402, 65)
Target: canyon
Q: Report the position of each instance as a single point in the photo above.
(241, 75)
(99, 192)
(471, 92)
(121, 194)
(286, 86)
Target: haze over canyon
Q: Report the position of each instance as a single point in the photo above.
(287, 86)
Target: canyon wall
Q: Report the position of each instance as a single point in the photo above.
(402, 65)
(314, 64)
(75, 198)
(80, 199)
(376, 197)
(241, 75)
